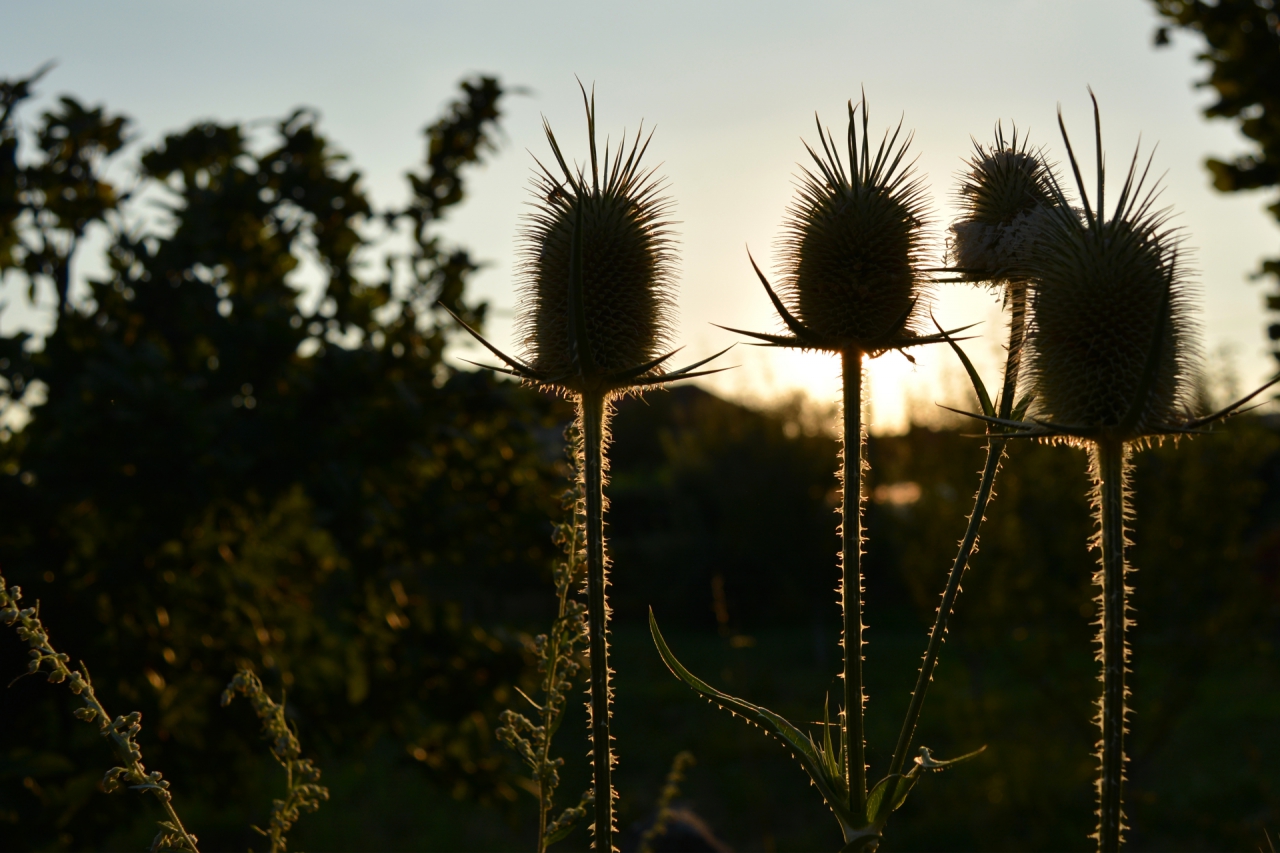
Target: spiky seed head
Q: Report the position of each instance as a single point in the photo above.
(627, 264)
(1113, 342)
(1005, 193)
(853, 242)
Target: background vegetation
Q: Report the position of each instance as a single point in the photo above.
(222, 473)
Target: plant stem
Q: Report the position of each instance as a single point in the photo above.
(995, 452)
(597, 615)
(1111, 503)
(552, 706)
(855, 760)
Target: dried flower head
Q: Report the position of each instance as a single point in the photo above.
(1113, 342)
(613, 222)
(853, 244)
(1005, 194)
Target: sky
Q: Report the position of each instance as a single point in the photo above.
(731, 89)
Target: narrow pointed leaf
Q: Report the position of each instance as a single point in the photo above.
(800, 743)
(903, 788)
(879, 800)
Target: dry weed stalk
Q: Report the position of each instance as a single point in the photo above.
(121, 731)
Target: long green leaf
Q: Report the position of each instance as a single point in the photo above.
(800, 743)
(877, 801)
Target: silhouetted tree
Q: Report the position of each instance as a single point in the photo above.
(1242, 47)
(221, 476)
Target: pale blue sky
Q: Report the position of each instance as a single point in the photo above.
(731, 89)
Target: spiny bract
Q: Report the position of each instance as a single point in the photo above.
(627, 264)
(1113, 349)
(1005, 194)
(853, 242)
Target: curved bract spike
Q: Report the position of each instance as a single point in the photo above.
(518, 367)
(640, 370)
(1075, 169)
(775, 340)
(1023, 429)
(792, 323)
(684, 371)
(917, 340)
(635, 379)
(492, 367)
(671, 377)
(1233, 409)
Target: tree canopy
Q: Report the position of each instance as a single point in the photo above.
(221, 476)
(1242, 48)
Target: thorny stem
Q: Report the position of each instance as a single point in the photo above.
(1111, 503)
(995, 452)
(855, 760)
(592, 404)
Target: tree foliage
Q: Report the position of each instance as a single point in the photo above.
(222, 476)
(1242, 48)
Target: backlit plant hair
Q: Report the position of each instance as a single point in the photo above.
(595, 312)
(853, 282)
(1112, 359)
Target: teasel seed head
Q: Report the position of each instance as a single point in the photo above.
(1113, 349)
(853, 245)
(1005, 195)
(614, 217)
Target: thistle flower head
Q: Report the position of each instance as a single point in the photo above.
(854, 241)
(597, 265)
(1113, 343)
(1005, 194)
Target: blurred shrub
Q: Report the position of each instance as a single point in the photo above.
(223, 476)
(702, 487)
